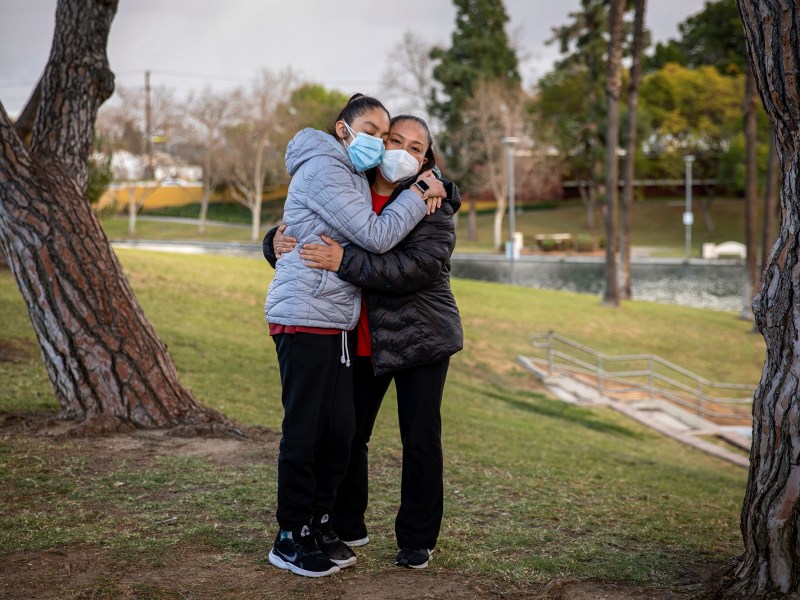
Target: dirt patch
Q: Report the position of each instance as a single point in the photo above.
(200, 574)
(16, 351)
(199, 571)
(258, 444)
(203, 575)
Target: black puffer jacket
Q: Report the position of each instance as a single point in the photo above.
(412, 314)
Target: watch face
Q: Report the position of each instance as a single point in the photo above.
(425, 187)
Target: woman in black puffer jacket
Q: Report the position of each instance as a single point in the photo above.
(410, 327)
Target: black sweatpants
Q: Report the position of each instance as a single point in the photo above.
(419, 401)
(318, 424)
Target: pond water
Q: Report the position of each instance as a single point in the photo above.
(703, 284)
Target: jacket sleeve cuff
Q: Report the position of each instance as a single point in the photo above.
(267, 247)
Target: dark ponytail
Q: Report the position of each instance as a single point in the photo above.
(355, 107)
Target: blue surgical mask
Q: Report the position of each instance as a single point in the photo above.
(366, 151)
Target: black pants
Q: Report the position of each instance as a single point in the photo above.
(318, 425)
(419, 401)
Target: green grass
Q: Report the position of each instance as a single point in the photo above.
(116, 228)
(535, 489)
(657, 223)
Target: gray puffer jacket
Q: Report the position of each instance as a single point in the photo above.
(328, 197)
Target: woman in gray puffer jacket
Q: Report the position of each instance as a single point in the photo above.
(309, 313)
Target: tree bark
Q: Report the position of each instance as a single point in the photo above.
(770, 231)
(101, 354)
(613, 84)
(770, 565)
(630, 153)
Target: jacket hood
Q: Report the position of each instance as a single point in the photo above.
(310, 143)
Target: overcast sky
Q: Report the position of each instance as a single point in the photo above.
(343, 44)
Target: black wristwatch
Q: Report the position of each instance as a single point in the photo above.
(423, 187)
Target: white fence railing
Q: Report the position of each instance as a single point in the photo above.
(643, 376)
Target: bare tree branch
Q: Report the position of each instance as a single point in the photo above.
(24, 124)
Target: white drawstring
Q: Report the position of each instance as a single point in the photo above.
(345, 350)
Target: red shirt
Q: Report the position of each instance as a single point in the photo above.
(363, 341)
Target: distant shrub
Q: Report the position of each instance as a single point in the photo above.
(548, 244)
(585, 243)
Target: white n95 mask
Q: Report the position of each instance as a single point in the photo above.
(398, 165)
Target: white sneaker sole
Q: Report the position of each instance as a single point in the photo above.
(422, 566)
(359, 542)
(343, 564)
(282, 564)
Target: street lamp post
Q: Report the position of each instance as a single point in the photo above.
(511, 248)
(688, 216)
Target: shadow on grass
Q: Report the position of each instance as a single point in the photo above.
(540, 405)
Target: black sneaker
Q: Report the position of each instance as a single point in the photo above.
(357, 541)
(413, 559)
(300, 555)
(330, 544)
(354, 537)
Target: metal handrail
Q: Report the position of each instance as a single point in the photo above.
(691, 393)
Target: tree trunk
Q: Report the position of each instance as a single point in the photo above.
(770, 231)
(206, 192)
(705, 206)
(472, 221)
(613, 84)
(497, 226)
(258, 193)
(630, 154)
(101, 354)
(588, 198)
(770, 565)
(133, 208)
(201, 228)
(751, 192)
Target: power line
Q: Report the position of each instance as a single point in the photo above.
(190, 75)
(186, 74)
